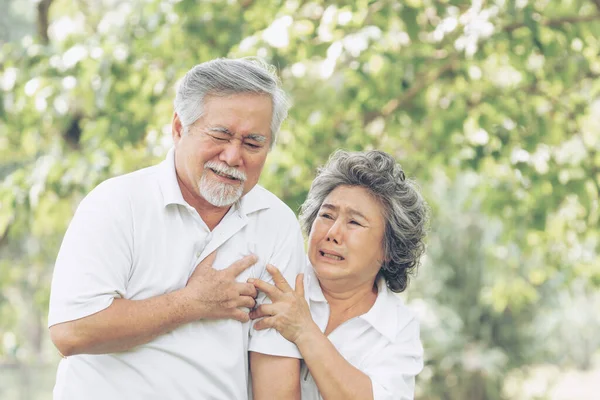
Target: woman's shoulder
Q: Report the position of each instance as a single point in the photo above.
(403, 321)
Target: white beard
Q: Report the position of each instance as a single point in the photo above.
(217, 193)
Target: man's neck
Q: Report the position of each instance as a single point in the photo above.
(211, 215)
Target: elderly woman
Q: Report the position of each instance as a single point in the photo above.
(366, 225)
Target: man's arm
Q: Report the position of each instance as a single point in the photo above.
(209, 294)
(122, 326)
(274, 377)
(89, 312)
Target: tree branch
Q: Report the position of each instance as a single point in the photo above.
(554, 23)
(422, 82)
(43, 23)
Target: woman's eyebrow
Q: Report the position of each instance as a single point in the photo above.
(350, 210)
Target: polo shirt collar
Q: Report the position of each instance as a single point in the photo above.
(385, 316)
(168, 181)
(255, 200)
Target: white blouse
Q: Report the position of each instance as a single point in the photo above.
(383, 343)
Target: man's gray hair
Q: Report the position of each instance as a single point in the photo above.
(224, 77)
(405, 211)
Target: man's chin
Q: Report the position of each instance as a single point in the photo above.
(219, 197)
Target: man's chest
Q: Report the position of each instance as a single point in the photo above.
(166, 251)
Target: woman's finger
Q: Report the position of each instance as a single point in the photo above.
(264, 310)
(279, 280)
(265, 323)
(271, 291)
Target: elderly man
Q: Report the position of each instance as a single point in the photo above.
(149, 296)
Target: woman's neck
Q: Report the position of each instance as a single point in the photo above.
(347, 303)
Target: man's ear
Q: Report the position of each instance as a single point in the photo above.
(176, 128)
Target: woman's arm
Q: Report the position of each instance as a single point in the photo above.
(289, 314)
(335, 377)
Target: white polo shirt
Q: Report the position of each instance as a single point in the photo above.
(135, 237)
(383, 343)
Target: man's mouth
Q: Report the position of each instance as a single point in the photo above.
(224, 175)
(331, 256)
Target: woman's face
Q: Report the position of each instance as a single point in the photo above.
(346, 239)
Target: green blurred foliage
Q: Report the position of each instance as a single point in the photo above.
(493, 106)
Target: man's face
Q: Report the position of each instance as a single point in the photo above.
(220, 157)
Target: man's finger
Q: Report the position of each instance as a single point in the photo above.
(241, 265)
(279, 280)
(247, 289)
(208, 261)
(271, 291)
(240, 315)
(300, 285)
(246, 301)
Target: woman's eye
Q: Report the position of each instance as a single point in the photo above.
(355, 223)
(325, 215)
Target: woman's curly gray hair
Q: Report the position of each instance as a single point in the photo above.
(405, 211)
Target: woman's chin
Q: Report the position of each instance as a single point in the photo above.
(325, 270)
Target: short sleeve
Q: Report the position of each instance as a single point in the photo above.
(393, 369)
(289, 257)
(95, 257)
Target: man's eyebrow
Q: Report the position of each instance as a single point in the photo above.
(220, 129)
(253, 136)
(257, 137)
(351, 211)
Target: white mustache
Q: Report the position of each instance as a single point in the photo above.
(226, 169)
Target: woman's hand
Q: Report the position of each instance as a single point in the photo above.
(289, 313)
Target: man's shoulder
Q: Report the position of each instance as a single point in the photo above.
(269, 204)
(127, 186)
(130, 181)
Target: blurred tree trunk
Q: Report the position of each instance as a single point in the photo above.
(43, 11)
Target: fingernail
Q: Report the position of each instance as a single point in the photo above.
(251, 280)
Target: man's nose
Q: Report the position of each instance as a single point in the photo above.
(232, 154)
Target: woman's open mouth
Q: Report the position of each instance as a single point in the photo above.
(331, 256)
